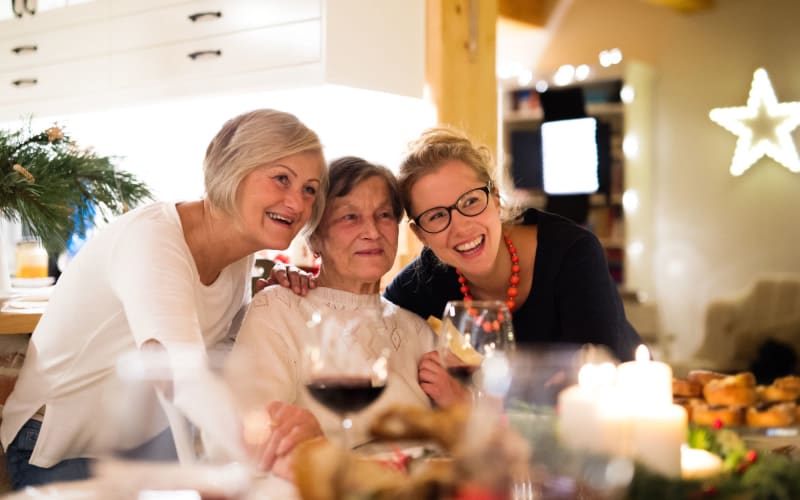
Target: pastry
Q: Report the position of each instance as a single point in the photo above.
(703, 377)
(777, 415)
(776, 393)
(712, 415)
(686, 388)
(790, 383)
(736, 390)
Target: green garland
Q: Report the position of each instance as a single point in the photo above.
(747, 474)
(56, 189)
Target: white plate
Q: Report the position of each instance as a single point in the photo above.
(32, 282)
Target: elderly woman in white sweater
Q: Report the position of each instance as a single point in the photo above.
(357, 243)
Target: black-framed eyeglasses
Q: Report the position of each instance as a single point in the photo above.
(469, 204)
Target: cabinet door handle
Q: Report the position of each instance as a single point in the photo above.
(17, 6)
(24, 49)
(205, 54)
(25, 82)
(205, 16)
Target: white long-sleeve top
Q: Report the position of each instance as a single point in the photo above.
(134, 281)
(266, 360)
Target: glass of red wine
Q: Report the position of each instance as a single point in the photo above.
(475, 342)
(343, 369)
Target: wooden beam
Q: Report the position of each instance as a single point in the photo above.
(460, 66)
(529, 12)
(685, 6)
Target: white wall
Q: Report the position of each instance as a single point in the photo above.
(714, 233)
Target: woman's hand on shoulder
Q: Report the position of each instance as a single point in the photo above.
(287, 426)
(288, 276)
(438, 384)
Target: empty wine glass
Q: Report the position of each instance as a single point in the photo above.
(344, 369)
(475, 342)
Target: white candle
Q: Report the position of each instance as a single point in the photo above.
(645, 382)
(578, 406)
(699, 464)
(657, 427)
(657, 436)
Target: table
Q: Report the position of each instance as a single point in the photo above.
(18, 322)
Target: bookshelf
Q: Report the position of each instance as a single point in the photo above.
(620, 99)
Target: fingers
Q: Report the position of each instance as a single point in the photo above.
(290, 426)
(291, 277)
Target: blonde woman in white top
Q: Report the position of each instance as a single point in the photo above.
(170, 277)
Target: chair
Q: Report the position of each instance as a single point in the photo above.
(737, 326)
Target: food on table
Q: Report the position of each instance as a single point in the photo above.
(778, 415)
(686, 388)
(733, 400)
(713, 415)
(736, 390)
(703, 377)
(481, 447)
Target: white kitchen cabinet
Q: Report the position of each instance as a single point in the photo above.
(55, 46)
(199, 19)
(279, 46)
(87, 77)
(126, 52)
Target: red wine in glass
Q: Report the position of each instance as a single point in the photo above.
(462, 373)
(344, 394)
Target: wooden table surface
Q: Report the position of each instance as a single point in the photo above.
(19, 321)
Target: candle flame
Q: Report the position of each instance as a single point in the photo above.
(642, 353)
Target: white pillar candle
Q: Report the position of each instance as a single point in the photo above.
(657, 436)
(578, 406)
(645, 382)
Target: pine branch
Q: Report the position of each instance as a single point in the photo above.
(57, 189)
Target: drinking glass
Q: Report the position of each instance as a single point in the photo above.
(475, 343)
(345, 369)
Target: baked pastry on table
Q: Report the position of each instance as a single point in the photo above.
(734, 400)
(490, 455)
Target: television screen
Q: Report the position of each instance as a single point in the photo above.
(570, 156)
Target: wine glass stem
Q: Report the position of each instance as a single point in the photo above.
(347, 424)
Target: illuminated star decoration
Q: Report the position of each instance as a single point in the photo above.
(764, 127)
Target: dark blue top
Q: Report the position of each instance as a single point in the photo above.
(572, 300)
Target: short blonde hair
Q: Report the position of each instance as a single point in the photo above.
(249, 141)
(438, 145)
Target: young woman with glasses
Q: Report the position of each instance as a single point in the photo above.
(551, 272)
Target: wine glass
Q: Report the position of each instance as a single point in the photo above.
(344, 368)
(475, 342)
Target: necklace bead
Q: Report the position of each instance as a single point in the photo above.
(513, 280)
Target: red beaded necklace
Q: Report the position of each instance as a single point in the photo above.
(513, 280)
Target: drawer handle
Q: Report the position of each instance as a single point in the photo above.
(25, 82)
(205, 54)
(205, 16)
(24, 49)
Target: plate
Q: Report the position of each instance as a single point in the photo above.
(32, 282)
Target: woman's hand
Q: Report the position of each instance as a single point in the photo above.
(288, 426)
(438, 384)
(289, 277)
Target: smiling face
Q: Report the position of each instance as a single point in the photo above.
(357, 238)
(275, 200)
(469, 243)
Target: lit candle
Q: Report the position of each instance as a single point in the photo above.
(658, 427)
(578, 406)
(646, 382)
(699, 464)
